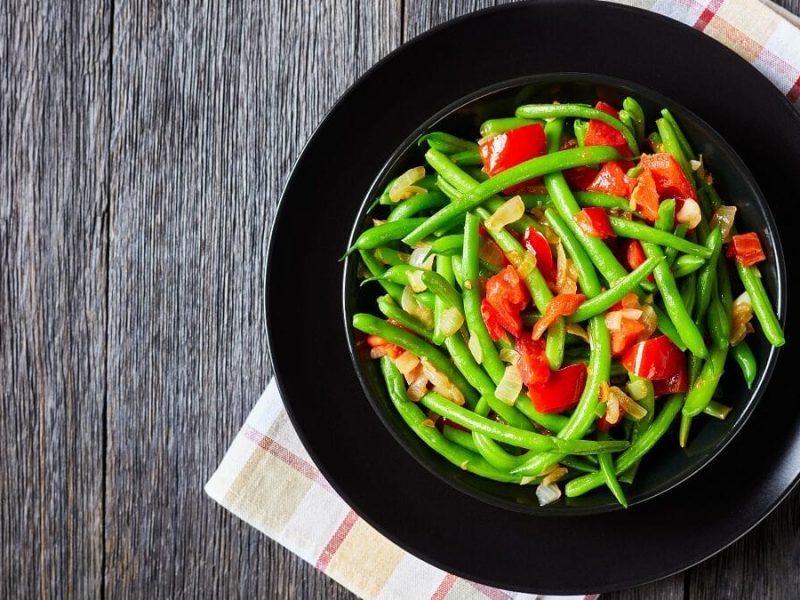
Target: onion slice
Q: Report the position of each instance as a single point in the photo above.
(475, 348)
(451, 321)
(724, 217)
(510, 385)
(547, 494)
(510, 211)
(404, 187)
(741, 318)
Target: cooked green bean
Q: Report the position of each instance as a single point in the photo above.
(634, 109)
(751, 279)
(673, 146)
(708, 274)
(496, 126)
(377, 270)
(390, 256)
(666, 215)
(466, 158)
(446, 142)
(648, 402)
(717, 410)
(686, 264)
(416, 204)
(438, 283)
(640, 231)
(747, 362)
(703, 389)
(607, 470)
(587, 275)
(387, 306)
(387, 232)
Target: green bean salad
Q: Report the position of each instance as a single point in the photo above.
(557, 293)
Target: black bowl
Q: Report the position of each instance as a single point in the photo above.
(667, 465)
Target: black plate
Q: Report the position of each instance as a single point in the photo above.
(309, 347)
(667, 465)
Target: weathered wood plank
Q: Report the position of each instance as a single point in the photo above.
(54, 127)
(211, 106)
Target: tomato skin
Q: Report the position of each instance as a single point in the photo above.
(611, 180)
(634, 256)
(599, 133)
(670, 180)
(492, 321)
(561, 305)
(654, 359)
(746, 248)
(580, 178)
(594, 221)
(505, 150)
(677, 384)
(645, 195)
(561, 391)
(535, 242)
(505, 298)
(532, 363)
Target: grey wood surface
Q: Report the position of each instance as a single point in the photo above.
(143, 146)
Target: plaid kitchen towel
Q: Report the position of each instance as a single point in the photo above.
(268, 479)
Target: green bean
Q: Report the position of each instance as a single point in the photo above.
(587, 275)
(602, 302)
(607, 470)
(688, 290)
(746, 360)
(634, 109)
(676, 309)
(458, 272)
(566, 205)
(521, 225)
(551, 422)
(655, 142)
(666, 215)
(673, 146)
(578, 463)
(387, 306)
(494, 453)
(496, 126)
(657, 429)
(416, 204)
(416, 419)
(645, 233)
(460, 437)
(512, 435)
(683, 141)
(583, 416)
(428, 182)
(508, 413)
(390, 256)
(549, 111)
(579, 127)
(719, 322)
(467, 157)
(446, 142)
(751, 279)
(472, 300)
(598, 199)
(465, 363)
(717, 410)
(665, 326)
(447, 245)
(401, 274)
(703, 389)
(438, 282)
(380, 235)
(425, 298)
(671, 253)
(372, 325)
(640, 426)
(686, 264)
(475, 195)
(378, 270)
(708, 274)
(627, 120)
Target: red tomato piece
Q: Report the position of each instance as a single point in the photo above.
(677, 384)
(599, 133)
(532, 363)
(656, 358)
(611, 180)
(507, 296)
(628, 332)
(492, 321)
(594, 221)
(392, 350)
(746, 248)
(561, 391)
(670, 180)
(634, 256)
(580, 178)
(645, 195)
(562, 305)
(535, 242)
(511, 148)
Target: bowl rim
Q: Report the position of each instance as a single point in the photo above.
(781, 299)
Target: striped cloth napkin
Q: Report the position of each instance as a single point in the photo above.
(268, 479)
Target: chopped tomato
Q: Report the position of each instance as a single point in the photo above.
(656, 358)
(603, 425)
(391, 350)
(594, 221)
(645, 195)
(535, 242)
(629, 300)
(746, 248)
(635, 256)
(599, 133)
(670, 180)
(561, 306)
(561, 391)
(507, 296)
(511, 148)
(492, 321)
(677, 384)
(611, 180)
(532, 363)
(580, 178)
(628, 332)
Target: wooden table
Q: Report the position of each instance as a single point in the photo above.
(142, 152)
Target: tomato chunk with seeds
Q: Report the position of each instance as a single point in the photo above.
(670, 180)
(532, 362)
(611, 180)
(645, 195)
(594, 221)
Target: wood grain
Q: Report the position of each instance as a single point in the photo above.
(54, 128)
(143, 149)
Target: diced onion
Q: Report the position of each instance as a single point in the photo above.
(635, 410)
(422, 257)
(740, 321)
(634, 314)
(408, 303)
(510, 385)
(557, 473)
(614, 320)
(379, 351)
(695, 164)
(566, 276)
(509, 355)
(526, 264)
(578, 331)
(724, 217)
(414, 374)
(441, 384)
(638, 389)
(547, 494)
(406, 362)
(415, 281)
(376, 222)
(418, 388)
(404, 187)
(490, 253)
(689, 213)
(649, 319)
(526, 479)
(510, 211)
(450, 392)
(451, 321)
(612, 415)
(475, 348)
